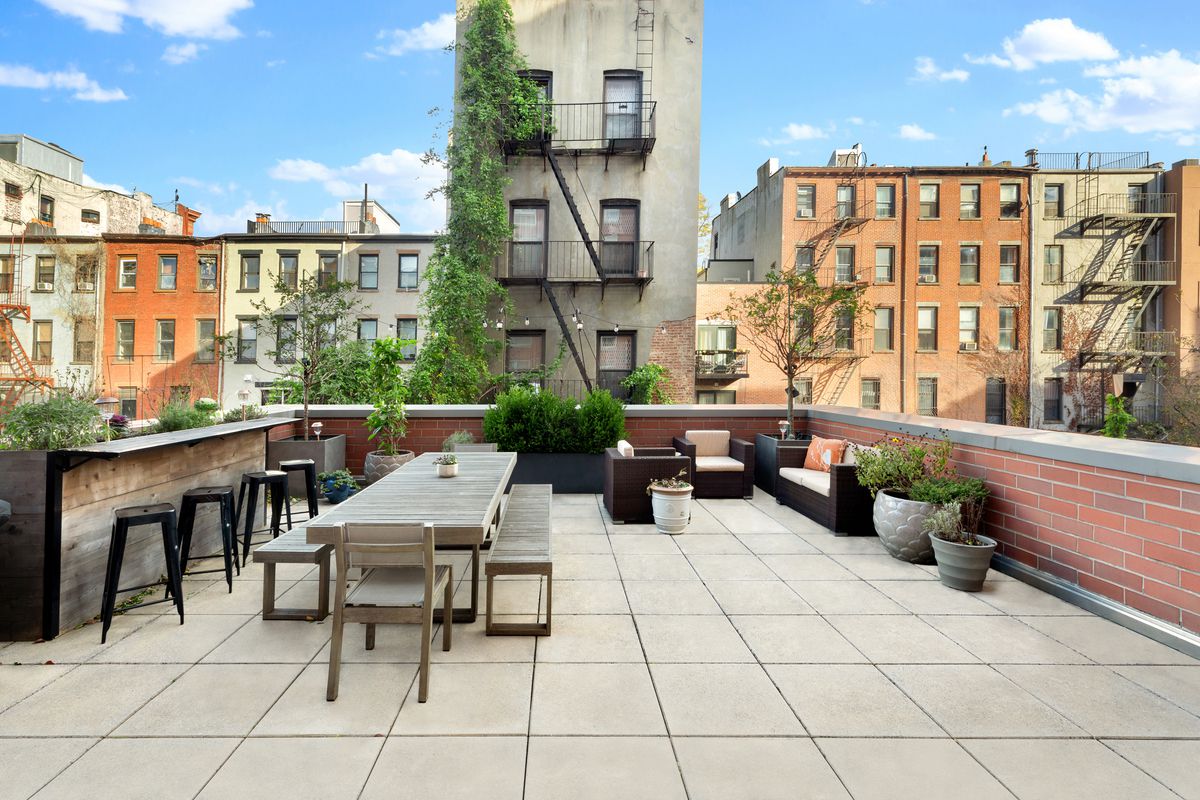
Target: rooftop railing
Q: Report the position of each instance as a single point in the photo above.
(1117, 160)
(292, 227)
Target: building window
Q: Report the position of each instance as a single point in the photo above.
(247, 341)
(1006, 338)
(804, 259)
(885, 260)
(805, 327)
(884, 325)
(929, 200)
(927, 263)
(327, 269)
(526, 351)
(408, 271)
(845, 202)
(250, 262)
(716, 337)
(1052, 405)
(1053, 201)
(206, 340)
(85, 342)
(844, 265)
(1010, 201)
(843, 330)
(802, 389)
(6, 273)
(406, 330)
(806, 201)
(1010, 263)
(927, 328)
(164, 340)
(125, 331)
(885, 201)
(206, 268)
(44, 274)
(709, 397)
(927, 396)
(968, 263)
(623, 104)
(619, 233)
(869, 393)
(46, 210)
(85, 273)
(12, 190)
(368, 272)
(1052, 263)
(286, 333)
(996, 402)
(43, 341)
(168, 268)
(127, 273)
(88, 216)
(128, 397)
(968, 328)
(368, 330)
(1052, 329)
(968, 201)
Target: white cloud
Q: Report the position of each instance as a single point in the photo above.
(213, 221)
(183, 53)
(276, 62)
(855, 120)
(399, 179)
(915, 133)
(88, 180)
(1155, 93)
(196, 19)
(927, 70)
(212, 187)
(19, 76)
(431, 35)
(796, 132)
(1046, 41)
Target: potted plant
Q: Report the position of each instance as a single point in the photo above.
(447, 465)
(890, 469)
(671, 499)
(457, 438)
(963, 557)
(389, 421)
(337, 485)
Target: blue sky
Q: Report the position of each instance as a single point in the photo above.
(287, 107)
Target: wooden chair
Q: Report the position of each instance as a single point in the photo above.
(398, 586)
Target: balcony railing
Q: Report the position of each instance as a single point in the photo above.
(1139, 273)
(569, 261)
(721, 364)
(606, 127)
(1134, 343)
(312, 227)
(1129, 159)
(1116, 204)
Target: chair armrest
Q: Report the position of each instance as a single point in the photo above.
(843, 476)
(790, 456)
(741, 450)
(644, 452)
(685, 446)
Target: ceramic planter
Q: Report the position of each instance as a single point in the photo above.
(898, 521)
(672, 509)
(337, 494)
(447, 470)
(377, 464)
(963, 566)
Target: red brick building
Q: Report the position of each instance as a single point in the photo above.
(162, 309)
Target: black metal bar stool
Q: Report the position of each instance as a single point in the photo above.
(223, 496)
(277, 483)
(309, 467)
(163, 515)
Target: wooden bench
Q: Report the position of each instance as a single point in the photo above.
(293, 548)
(522, 547)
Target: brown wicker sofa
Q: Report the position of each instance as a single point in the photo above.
(833, 499)
(721, 466)
(626, 477)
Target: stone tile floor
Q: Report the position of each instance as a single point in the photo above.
(755, 657)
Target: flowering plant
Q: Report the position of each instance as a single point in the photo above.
(896, 463)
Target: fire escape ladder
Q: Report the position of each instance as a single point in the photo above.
(593, 254)
(843, 379)
(645, 46)
(568, 334)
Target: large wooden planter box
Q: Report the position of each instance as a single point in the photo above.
(23, 485)
(328, 453)
(569, 473)
(766, 458)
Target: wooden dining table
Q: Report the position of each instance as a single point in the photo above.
(463, 511)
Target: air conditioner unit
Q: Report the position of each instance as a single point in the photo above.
(970, 347)
(926, 279)
(45, 287)
(806, 212)
(87, 286)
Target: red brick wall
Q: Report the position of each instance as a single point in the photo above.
(1131, 538)
(675, 349)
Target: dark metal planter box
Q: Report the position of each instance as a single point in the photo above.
(766, 460)
(328, 453)
(569, 473)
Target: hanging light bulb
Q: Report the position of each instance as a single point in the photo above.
(663, 330)
(499, 324)
(574, 318)
(485, 324)
(527, 322)
(616, 328)
(578, 326)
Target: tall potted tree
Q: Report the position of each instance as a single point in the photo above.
(389, 421)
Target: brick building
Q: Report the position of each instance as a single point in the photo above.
(162, 312)
(943, 255)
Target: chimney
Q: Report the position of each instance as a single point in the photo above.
(362, 212)
(189, 217)
(986, 162)
(1032, 155)
(261, 218)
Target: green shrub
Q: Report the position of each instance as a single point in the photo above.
(897, 463)
(527, 421)
(968, 494)
(179, 417)
(1118, 419)
(59, 422)
(251, 412)
(601, 422)
(648, 384)
(458, 437)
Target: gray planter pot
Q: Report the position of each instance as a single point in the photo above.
(376, 464)
(328, 453)
(963, 566)
(898, 521)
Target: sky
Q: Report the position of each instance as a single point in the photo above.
(288, 107)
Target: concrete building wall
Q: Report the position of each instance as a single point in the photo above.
(1182, 239)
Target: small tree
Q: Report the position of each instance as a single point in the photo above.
(703, 232)
(389, 421)
(1011, 366)
(795, 323)
(1182, 405)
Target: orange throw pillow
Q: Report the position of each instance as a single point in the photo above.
(824, 452)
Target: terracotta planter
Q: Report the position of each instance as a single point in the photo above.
(672, 509)
(898, 521)
(377, 464)
(963, 566)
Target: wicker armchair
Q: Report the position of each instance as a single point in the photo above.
(713, 455)
(626, 479)
(845, 510)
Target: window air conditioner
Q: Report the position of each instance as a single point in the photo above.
(970, 347)
(45, 287)
(926, 279)
(806, 213)
(87, 286)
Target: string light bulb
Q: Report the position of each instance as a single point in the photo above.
(579, 326)
(527, 322)
(499, 324)
(663, 330)
(485, 324)
(616, 328)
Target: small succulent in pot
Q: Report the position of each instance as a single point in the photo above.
(337, 485)
(447, 465)
(676, 482)
(446, 458)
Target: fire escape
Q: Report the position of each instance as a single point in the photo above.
(620, 126)
(18, 373)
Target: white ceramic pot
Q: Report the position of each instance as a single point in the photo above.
(447, 470)
(672, 509)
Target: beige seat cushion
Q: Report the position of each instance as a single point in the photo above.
(709, 443)
(718, 464)
(395, 587)
(625, 448)
(812, 479)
